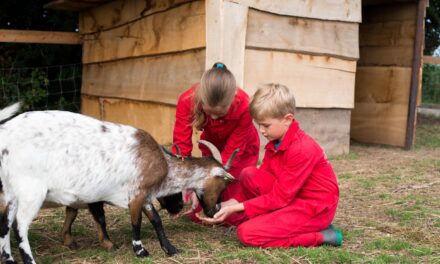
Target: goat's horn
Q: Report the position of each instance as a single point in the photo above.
(177, 149)
(229, 178)
(213, 149)
(231, 158)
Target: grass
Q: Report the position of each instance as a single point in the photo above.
(388, 213)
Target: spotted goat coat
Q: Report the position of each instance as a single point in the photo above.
(70, 159)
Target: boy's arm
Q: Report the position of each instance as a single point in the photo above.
(295, 173)
(182, 132)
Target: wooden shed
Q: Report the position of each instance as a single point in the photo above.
(354, 66)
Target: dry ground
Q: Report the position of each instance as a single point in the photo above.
(389, 212)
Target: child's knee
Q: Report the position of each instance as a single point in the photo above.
(244, 234)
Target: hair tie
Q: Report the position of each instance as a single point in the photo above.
(219, 65)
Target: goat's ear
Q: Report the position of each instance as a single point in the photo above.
(228, 178)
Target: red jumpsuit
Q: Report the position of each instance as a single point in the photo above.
(291, 197)
(232, 131)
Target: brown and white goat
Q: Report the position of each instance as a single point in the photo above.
(70, 159)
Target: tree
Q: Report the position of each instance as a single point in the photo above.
(432, 27)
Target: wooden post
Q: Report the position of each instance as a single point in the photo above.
(415, 74)
(226, 24)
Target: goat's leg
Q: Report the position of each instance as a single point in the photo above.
(97, 210)
(6, 219)
(68, 240)
(136, 220)
(155, 220)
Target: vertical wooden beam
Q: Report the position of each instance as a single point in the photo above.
(226, 24)
(415, 73)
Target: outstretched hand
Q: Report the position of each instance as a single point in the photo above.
(229, 207)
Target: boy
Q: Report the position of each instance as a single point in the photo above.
(291, 199)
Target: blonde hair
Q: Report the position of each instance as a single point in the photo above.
(272, 100)
(217, 89)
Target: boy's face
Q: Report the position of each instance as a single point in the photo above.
(275, 128)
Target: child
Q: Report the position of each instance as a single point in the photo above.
(291, 199)
(221, 110)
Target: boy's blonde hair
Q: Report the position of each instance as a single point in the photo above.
(272, 100)
(217, 89)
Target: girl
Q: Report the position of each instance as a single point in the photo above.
(218, 108)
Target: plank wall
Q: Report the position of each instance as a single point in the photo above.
(140, 55)
(384, 73)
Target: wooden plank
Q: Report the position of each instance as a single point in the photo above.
(266, 30)
(43, 37)
(157, 119)
(381, 105)
(379, 123)
(156, 79)
(394, 33)
(317, 81)
(226, 24)
(177, 29)
(378, 85)
(90, 106)
(339, 10)
(389, 12)
(431, 60)
(381, 2)
(333, 137)
(72, 5)
(386, 56)
(120, 12)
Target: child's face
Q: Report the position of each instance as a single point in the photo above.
(215, 112)
(275, 128)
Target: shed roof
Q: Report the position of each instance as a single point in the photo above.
(74, 5)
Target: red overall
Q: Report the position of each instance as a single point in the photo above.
(291, 197)
(232, 131)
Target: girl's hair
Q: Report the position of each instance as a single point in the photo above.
(272, 100)
(217, 89)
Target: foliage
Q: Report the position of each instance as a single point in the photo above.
(431, 84)
(22, 73)
(432, 27)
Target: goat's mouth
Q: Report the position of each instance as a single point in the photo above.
(210, 212)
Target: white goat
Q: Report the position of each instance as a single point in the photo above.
(70, 159)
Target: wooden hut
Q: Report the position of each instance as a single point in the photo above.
(349, 78)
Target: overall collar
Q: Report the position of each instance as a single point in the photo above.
(287, 140)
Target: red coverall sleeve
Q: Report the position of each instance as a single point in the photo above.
(182, 133)
(293, 176)
(238, 139)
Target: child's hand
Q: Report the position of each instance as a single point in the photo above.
(229, 207)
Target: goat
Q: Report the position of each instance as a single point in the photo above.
(70, 159)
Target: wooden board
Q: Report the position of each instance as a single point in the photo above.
(390, 12)
(157, 79)
(383, 85)
(386, 56)
(333, 137)
(381, 107)
(120, 12)
(157, 119)
(177, 29)
(266, 30)
(90, 106)
(317, 81)
(379, 123)
(339, 10)
(226, 25)
(387, 43)
(36, 36)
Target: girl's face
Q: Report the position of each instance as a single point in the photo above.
(275, 128)
(216, 112)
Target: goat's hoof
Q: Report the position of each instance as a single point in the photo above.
(170, 250)
(142, 253)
